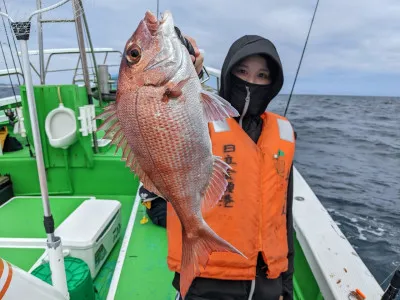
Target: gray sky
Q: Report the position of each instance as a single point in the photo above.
(354, 47)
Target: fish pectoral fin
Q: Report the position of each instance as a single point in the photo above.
(111, 126)
(217, 184)
(171, 93)
(113, 131)
(217, 108)
(174, 90)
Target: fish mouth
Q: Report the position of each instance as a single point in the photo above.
(165, 29)
(153, 24)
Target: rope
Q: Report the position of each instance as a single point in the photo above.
(301, 58)
(5, 61)
(89, 40)
(8, 71)
(15, 44)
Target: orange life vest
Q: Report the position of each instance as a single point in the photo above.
(252, 213)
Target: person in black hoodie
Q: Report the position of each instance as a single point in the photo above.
(251, 77)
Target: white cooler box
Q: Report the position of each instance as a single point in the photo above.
(91, 231)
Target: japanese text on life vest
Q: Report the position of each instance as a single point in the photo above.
(227, 199)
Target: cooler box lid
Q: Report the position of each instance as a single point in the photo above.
(83, 227)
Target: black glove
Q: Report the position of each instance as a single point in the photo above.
(185, 42)
(188, 46)
(146, 195)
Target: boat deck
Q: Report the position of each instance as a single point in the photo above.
(142, 272)
(143, 269)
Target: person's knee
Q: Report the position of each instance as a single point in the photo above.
(158, 212)
(268, 289)
(215, 289)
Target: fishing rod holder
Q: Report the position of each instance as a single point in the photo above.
(21, 30)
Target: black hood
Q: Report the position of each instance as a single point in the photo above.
(251, 45)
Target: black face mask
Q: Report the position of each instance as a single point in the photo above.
(257, 96)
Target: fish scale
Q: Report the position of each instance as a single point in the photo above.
(160, 120)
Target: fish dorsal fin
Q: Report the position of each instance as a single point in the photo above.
(113, 131)
(217, 184)
(216, 108)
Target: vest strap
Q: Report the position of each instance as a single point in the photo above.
(285, 130)
(221, 126)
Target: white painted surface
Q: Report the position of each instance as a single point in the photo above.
(10, 100)
(23, 284)
(335, 264)
(124, 247)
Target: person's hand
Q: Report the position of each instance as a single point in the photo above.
(280, 297)
(191, 46)
(198, 59)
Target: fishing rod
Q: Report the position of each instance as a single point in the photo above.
(22, 31)
(301, 58)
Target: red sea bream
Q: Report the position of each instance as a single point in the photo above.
(160, 120)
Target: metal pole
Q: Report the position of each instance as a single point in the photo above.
(81, 43)
(92, 49)
(54, 246)
(35, 131)
(46, 9)
(21, 30)
(40, 42)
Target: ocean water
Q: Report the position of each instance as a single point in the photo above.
(348, 150)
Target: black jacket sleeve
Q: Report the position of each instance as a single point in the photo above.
(158, 210)
(287, 277)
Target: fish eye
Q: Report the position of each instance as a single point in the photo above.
(133, 54)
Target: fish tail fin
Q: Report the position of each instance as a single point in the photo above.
(196, 250)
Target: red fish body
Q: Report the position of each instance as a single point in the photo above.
(160, 120)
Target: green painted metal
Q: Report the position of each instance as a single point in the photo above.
(305, 285)
(22, 258)
(108, 176)
(80, 154)
(23, 217)
(76, 170)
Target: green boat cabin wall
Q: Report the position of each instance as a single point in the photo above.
(77, 170)
(80, 154)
